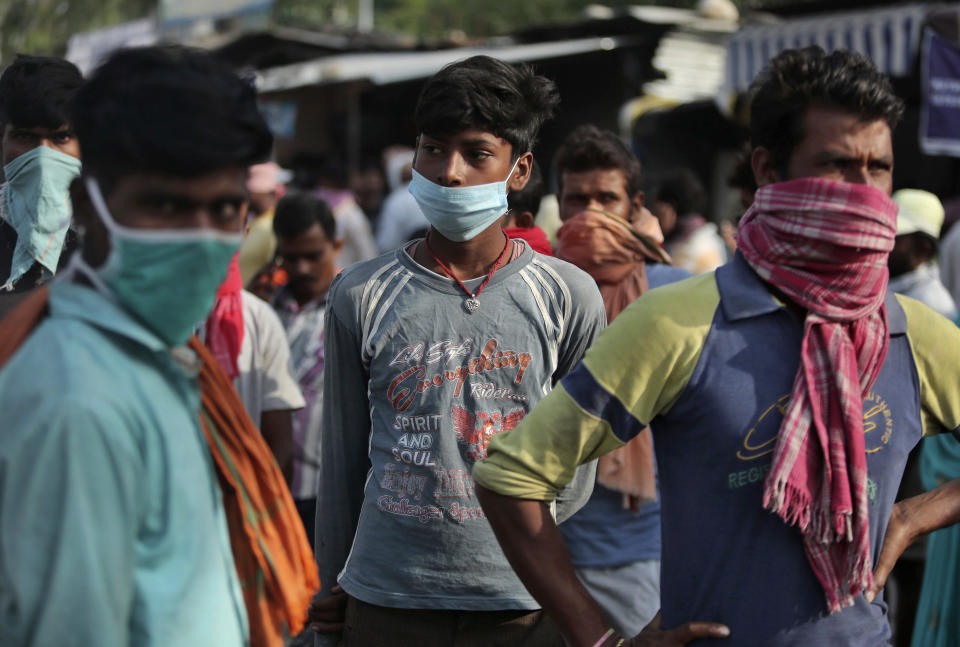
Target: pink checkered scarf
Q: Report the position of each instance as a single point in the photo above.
(824, 245)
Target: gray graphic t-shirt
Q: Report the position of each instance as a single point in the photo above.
(417, 386)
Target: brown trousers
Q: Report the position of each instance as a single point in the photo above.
(368, 625)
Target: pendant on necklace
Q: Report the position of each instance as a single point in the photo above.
(471, 305)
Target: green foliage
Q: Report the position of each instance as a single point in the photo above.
(438, 18)
(45, 26)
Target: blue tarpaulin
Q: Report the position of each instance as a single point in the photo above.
(889, 36)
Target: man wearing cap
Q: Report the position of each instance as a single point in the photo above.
(913, 261)
(259, 245)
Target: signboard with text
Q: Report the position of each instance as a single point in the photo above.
(940, 111)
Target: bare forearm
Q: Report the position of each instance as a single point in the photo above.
(533, 545)
(277, 430)
(911, 519)
(931, 510)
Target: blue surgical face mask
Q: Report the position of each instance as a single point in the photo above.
(460, 212)
(168, 278)
(36, 203)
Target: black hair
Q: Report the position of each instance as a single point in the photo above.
(529, 198)
(684, 192)
(169, 110)
(741, 177)
(299, 211)
(332, 171)
(797, 79)
(509, 101)
(36, 91)
(588, 148)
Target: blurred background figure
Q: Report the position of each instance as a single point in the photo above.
(937, 621)
(741, 179)
(400, 219)
(257, 249)
(694, 244)
(913, 261)
(950, 248)
(523, 206)
(307, 250)
(248, 341)
(40, 159)
(369, 188)
(614, 540)
(352, 224)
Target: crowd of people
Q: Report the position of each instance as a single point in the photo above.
(436, 403)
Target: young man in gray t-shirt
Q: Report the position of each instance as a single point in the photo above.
(431, 350)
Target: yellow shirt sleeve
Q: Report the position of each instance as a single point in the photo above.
(935, 344)
(637, 369)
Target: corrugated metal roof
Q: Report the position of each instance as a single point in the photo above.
(394, 67)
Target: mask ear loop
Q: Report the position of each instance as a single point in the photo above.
(77, 264)
(99, 204)
(112, 260)
(506, 183)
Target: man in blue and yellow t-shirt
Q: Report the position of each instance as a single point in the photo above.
(785, 382)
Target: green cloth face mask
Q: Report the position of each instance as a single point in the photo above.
(36, 203)
(168, 278)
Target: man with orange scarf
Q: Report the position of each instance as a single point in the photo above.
(138, 503)
(785, 392)
(614, 540)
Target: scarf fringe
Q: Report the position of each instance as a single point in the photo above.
(789, 502)
(796, 508)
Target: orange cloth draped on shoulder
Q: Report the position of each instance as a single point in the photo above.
(614, 252)
(270, 549)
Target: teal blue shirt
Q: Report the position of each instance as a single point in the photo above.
(112, 530)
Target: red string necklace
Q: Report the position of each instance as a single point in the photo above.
(470, 303)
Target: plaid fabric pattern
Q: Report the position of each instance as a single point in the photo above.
(824, 245)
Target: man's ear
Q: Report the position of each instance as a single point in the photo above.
(337, 247)
(521, 174)
(764, 170)
(524, 219)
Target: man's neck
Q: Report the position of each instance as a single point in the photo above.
(305, 301)
(792, 306)
(467, 260)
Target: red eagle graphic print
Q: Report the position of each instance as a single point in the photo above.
(476, 430)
